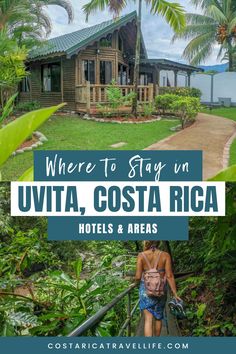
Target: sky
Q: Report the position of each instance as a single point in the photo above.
(157, 33)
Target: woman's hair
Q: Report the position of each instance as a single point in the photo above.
(150, 244)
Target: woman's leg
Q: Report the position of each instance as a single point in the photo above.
(148, 323)
(157, 328)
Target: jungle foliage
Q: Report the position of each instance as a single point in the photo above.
(210, 253)
(48, 288)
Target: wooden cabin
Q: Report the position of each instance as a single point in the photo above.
(77, 67)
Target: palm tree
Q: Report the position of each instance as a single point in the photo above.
(27, 21)
(216, 25)
(172, 12)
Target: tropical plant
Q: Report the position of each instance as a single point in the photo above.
(12, 68)
(216, 25)
(15, 133)
(26, 20)
(147, 109)
(227, 57)
(27, 106)
(210, 253)
(50, 288)
(163, 103)
(172, 12)
(228, 174)
(181, 91)
(8, 108)
(186, 109)
(115, 99)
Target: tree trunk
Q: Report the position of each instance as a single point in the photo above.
(137, 60)
(231, 68)
(230, 51)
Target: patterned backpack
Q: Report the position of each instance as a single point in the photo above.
(153, 281)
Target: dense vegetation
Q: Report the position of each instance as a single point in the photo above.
(49, 288)
(211, 291)
(181, 91)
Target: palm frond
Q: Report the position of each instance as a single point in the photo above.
(115, 7)
(196, 46)
(232, 23)
(45, 22)
(227, 6)
(216, 13)
(202, 55)
(203, 4)
(221, 52)
(192, 18)
(66, 5)
(173, 13)
(191, 31)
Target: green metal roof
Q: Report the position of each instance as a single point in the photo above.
(71, 43)
(170, 63)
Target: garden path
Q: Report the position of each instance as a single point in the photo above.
(211, 134)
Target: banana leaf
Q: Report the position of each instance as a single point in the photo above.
(15, 133)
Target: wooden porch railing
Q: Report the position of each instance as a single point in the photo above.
(87, 94)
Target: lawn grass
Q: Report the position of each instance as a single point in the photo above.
(232, 160)
(229, 113)
(72, 133)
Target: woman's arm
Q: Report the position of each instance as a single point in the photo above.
(170, 276)
(139, 269)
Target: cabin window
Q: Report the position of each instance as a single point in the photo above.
(105, 72)
(51, 77)
(106, 41)
(120, 43)
(122, 74)
(89, 71)
(25, 84)
(145, 78)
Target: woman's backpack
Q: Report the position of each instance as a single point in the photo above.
(153, 281)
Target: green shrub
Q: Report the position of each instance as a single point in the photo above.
(7, 109)
(163, 103)
(28, 106)
(186, 108)
(181, 91)
(147, 109)
(104, 110)
(115, 99)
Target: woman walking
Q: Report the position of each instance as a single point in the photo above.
(159, 263)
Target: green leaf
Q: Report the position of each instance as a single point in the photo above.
(28, 175)
(78, 267)
(200, 311)
(14, 134)
(8, 108)
(66, 278)
(173, 13)
(228, 175)
(8, 330)
(23, 319)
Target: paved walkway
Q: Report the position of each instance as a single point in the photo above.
(209, 133)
